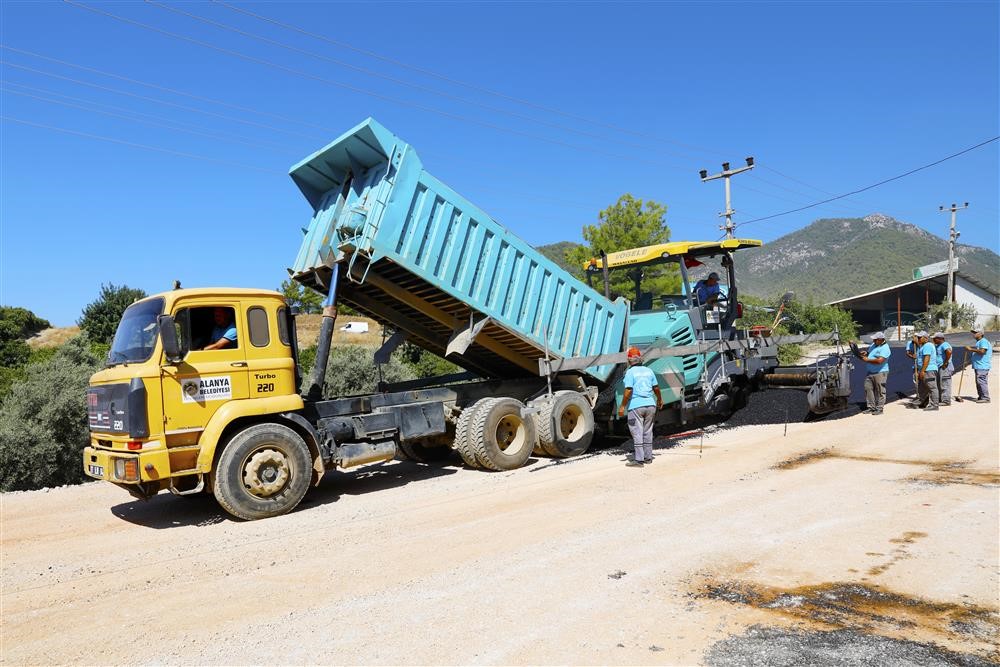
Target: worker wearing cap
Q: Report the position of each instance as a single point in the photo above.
(642, 399)
(877, 364)
(927, 372)
(981, 364)
(945, 366)
(708, 290)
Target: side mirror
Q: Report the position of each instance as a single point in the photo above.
(168, 336)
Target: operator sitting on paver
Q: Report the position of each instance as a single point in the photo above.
(224, 333)
(945, 367)
(927, 373)
(877, 362)
(640, 388)
(708, 290)
(981, 364)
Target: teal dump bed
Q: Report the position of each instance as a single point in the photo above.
(415, 254)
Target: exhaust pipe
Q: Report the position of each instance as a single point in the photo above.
(359, 453)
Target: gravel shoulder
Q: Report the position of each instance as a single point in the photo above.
(883, 528)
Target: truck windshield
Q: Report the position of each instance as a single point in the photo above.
(136, 335)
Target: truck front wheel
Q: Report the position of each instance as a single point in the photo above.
(264, 471)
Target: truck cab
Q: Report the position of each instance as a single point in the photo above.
(160, 408)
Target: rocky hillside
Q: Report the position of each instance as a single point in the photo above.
(835, 258)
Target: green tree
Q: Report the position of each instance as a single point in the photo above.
(351, 370)
(43, 421)
(100, 318)
(425, 364)
(628, 223)
(299, 296)
(17, 325)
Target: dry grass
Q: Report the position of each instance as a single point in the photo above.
(53, 337)
(307, 327)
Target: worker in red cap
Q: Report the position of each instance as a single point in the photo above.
(642, 399)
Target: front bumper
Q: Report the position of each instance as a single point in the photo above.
(121, 467)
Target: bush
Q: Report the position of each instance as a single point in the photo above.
(425, 364)
(959, 316)
(100, 318)
(797, 318)
(20, 322)
(43, 421)
(352, 371)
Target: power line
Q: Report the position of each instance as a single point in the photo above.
(874, 185)
(358, 89)
(401, 82)
(132, 115)
(165, 89)
(132, 144)
(458, 82)
(152, 99)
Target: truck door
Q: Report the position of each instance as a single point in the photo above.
(206, 379)
(270, 366)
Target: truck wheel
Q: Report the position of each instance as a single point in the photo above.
(500, 436)
(264, 471)
(462, 430)
(565, 425)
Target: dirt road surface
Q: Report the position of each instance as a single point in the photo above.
(863, 540)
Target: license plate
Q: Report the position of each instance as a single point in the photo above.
(96, 471)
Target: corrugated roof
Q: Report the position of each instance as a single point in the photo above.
(929, 279)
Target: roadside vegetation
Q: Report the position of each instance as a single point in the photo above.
(796, 318)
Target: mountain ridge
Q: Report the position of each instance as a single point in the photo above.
(834, 258)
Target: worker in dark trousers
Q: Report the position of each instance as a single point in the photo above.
(927, 373)
(912, 346)
(982, 361)
(642, 399)
(877, 363)
(945, 367)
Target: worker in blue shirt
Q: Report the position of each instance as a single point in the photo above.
(708, 290)
(927, 372)
(981, 364)
(877, 364)
(945, 367)
(642, 399)
(224, 333)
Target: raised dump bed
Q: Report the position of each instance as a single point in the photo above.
(417, 255)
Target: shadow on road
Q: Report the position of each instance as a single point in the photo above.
(168, 511)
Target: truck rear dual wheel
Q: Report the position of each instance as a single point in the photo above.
(565, 425)
(264, 471)
(462, 445)
(501, 437)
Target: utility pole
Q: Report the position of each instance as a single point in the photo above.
(953, 235)
(726, 173)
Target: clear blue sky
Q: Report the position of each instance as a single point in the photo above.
(597, 99)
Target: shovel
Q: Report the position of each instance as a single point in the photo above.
(960, 378)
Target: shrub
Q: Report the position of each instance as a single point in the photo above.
(43, 421)
(425, 364)
(797, 317)
(100, 318)
(954, 315)
(20, 322)
(351, 371)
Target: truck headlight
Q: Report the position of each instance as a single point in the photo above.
(127, 470)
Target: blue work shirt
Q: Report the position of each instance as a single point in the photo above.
(228, 332)
(910, 347)
(878, 351)
(706, 291)
(927, 350)
(950, 366)
(641, 381)
(982, 362)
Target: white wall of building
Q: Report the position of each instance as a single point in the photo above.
(987, 305)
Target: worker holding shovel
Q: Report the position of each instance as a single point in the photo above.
(981, 364)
